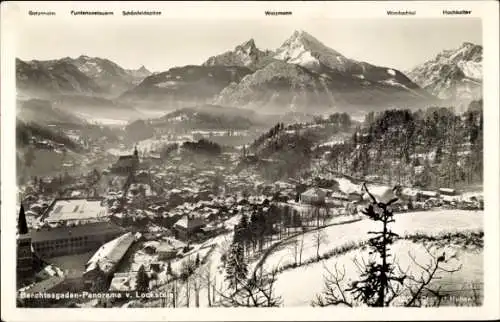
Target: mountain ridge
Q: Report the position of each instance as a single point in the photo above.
(306, 74)
(93, 76)
(453, 74)
(245, 55)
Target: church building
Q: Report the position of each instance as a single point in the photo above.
(25, 258)
(126, 164)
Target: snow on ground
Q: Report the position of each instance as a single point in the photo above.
(346, 185)
(152, 113)
(332, 143)
(72, 264)
(103, 121)
(429, 222)
(391, 72)
(304, 59)
(310, 279)
(168, 84)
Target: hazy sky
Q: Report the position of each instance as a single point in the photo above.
(161, 44)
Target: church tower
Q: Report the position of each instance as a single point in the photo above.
(24, 252)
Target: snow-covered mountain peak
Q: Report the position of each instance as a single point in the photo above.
(305, 50)
(453, 73)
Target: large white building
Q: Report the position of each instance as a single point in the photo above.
(104, 262)
(75, 211)
(110, 254)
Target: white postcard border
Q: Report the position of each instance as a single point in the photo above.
(486, 10)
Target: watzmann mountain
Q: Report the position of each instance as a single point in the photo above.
(306, 75)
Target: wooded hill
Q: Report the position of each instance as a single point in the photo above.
(431, 148)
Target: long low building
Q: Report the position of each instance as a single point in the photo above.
(107, 258)
(111, 253)
(65, 240)
(75, 210)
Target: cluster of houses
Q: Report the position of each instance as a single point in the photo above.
(408, 198)
(47, 144)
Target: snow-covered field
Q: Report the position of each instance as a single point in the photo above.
(310, 279)
(429, 222)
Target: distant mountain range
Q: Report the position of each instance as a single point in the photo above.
(303, 75)
(453, 74)
(85, 87)
(83, 75)
(46, 78)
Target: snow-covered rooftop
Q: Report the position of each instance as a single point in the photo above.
(111, 253)
(76, 209)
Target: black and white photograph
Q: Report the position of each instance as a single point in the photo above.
(284, 160)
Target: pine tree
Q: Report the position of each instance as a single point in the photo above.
(99, 283)
(236, 266)
(169, 268)
(242, 233)
(142, 280)
(374, 287)
(439, 154)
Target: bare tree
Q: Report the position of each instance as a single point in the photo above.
(256, 291)
(319, 238)
(421, 285)
(175, 297)
(206, 278)
(197, 285)
(334, 290)
(186, 272)
(295, 250)
(214, 289)
(301, 248)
